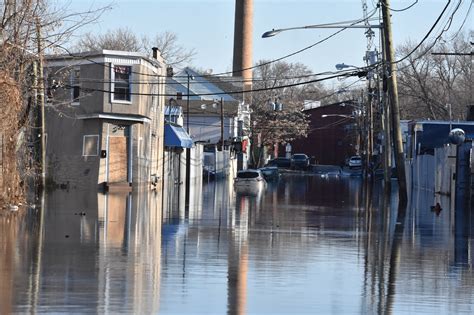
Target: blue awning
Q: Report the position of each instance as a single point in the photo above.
(176, 136)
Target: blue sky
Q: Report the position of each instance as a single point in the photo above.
(207, 26)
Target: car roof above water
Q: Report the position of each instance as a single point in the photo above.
(250, 173)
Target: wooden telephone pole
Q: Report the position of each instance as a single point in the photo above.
(394, 105)
(40, 101)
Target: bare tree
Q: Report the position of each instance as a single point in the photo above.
(172, 52)
(277, 113)
(124, 39)
(436, 86)
(24, 23)
(118, 39)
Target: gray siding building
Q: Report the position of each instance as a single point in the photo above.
(105, 119)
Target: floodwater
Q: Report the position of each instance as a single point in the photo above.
(302, 245)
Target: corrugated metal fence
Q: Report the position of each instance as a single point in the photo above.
(435, 172)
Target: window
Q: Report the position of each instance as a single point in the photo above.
(121, 83)
(90, 145)
(75, 86)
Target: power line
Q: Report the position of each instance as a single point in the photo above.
(228, 72)
(401, 10)
(464, 21)
(228, 92)
(214, 79)
(338, 74)
(427, 34)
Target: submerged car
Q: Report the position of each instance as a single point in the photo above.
(355, 161)
(270, 173)
(249, 178)
(281, 162)
(300, 161)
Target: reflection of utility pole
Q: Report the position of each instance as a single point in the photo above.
(395, 109)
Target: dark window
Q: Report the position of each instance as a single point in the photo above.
(247, 175)
(122, 83)
(76, 85)
(299, 157)
(76, 93)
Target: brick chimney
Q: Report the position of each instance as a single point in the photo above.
(243, 26)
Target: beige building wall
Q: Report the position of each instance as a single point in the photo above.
(67, 162)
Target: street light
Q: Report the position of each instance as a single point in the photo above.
(274, 32)
(190, 77)
(337, 115)
(341, 66)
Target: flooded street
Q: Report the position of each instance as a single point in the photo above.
(304, 244)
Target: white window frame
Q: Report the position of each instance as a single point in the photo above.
(72, 79)
(112, 84)
(84, 144)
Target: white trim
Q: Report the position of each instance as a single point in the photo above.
(100, 61)
(114, 117)
(84, 142)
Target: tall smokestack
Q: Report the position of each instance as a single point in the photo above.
(243, 41)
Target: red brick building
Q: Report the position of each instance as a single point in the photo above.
(332, 136)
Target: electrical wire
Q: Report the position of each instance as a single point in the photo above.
(400, 10)
(303, 49)
(310, 81)
(213, 79)
(426, 35)
(228, 92)
(463, 22)
(79, 56)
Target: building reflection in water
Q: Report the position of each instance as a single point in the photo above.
(99, 254)
(304, 244)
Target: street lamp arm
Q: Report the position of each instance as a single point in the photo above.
(337, 115)
(274, 32)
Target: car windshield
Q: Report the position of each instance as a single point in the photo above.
(247, 175)
(355, 159)
(299, 157)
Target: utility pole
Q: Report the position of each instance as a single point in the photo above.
(188, 154)
(395, 108)
(387, 135)
(222, 123)
(40, 100)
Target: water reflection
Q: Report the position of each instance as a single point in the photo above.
(302, 245)
(99, 254)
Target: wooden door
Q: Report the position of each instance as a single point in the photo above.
(118, 159)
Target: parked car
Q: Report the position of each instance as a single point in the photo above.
(249, 178)
(281, 162)
(354, 161)
(300, 161)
